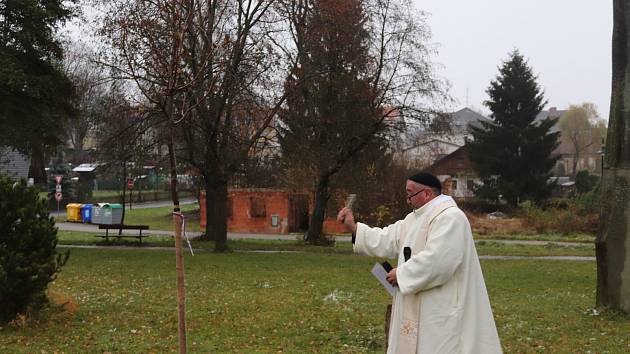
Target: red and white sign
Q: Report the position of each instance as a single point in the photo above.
(130, 183)
(58, 196)
(58, 178)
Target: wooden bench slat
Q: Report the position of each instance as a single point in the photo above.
(124, 227)
(108, 227)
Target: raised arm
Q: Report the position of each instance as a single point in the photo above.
(371, 241)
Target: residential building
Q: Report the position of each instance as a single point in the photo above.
(424, 146)
(456, 173)
(13, 163)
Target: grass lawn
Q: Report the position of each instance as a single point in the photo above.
(124, 301)
(161, 219)
(147, 195)
(158, 218)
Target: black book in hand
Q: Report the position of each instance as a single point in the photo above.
(388, 267)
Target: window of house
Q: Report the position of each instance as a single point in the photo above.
(454, 184)
(470, 185)
(257, 207)
(229, 207)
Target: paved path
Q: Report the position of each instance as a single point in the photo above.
(537, 242)
(556, 258)
(69, 226)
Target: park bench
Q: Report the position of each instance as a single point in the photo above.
(123, 227)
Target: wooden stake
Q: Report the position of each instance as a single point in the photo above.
(181, 289)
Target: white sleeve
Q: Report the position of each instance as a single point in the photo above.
(442, 255)
(377, 242)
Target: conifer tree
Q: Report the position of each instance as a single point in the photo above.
(330, 114)
(512, 154)
(35, 94)
(29, 259)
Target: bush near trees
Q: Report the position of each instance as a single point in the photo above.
(28, 259)
(579, 214)
(585, 182)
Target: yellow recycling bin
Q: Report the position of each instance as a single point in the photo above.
(73, 212)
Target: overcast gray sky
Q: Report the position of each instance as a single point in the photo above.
(567, 42)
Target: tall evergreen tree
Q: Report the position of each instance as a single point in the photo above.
(34, 92)
(330, 114)
(512, 154)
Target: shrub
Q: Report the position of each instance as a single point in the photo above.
(536, 217)
(28, 259)
(585, 182)
(564, 216)
(590, 202)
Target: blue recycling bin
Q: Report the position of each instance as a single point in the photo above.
(86, 213)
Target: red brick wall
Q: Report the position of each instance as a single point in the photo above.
(276, 203)
(332, 226)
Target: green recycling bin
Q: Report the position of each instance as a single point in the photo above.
(107, 214)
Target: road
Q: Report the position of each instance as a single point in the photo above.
(154, 204)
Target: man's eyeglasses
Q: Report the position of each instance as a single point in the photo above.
(415, 194)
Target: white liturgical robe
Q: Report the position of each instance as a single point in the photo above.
(455, 313)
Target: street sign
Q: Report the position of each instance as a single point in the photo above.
(130, 183)
(58, 188)
(58, 178)
(58, 196)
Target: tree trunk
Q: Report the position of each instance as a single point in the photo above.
(612, 245)
(613, 240)
(216, 213)
(315, 234)
(124, 188)
(37, 169)
(576, 159)
(179, 257)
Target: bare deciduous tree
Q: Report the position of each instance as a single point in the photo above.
(582, 127)
(229, 49)
(91, 88)
(212, 68)
(148, 38)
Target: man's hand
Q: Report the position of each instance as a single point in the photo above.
(391, 277)
(347, 218)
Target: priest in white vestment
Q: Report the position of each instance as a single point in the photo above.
(441, 305)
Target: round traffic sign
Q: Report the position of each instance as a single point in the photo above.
(58, 196)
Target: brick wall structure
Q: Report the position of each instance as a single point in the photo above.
(271, 211)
